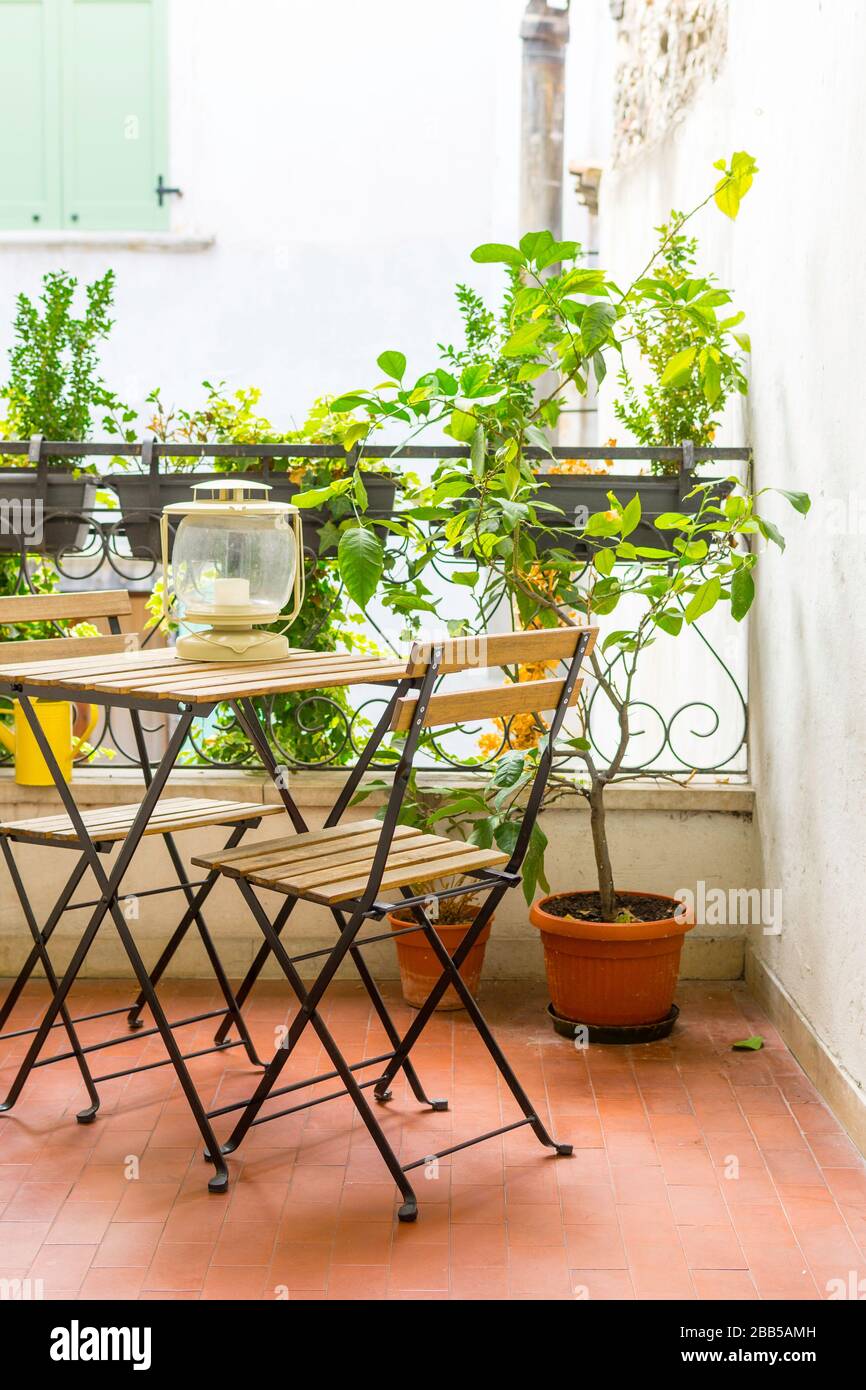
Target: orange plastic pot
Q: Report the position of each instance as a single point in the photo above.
(612, 972)
(420, 969)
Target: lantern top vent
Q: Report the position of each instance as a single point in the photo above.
(231, 495)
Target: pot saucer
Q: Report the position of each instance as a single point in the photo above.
(616, 1033)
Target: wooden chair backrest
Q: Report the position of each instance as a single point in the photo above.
(21, 609)
(538, 647)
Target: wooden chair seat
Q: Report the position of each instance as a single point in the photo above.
(112, 823)
(332, 866)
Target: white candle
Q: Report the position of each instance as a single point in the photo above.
(231, 593)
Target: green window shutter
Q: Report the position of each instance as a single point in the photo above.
(29, 120)
(113, 135)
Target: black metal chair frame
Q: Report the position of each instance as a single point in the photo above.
(349, 918)
(196, 894)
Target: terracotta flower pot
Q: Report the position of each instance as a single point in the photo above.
(611, 972)
(420, 968)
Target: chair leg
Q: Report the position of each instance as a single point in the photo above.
(310, 1014)
(302, 1018)
(388, 1024)
(39, 939)
(503, 1065)
(109, 885)
(193, 913)
(256, 968)
(33, 959)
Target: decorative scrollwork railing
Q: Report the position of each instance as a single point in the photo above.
(90, 546)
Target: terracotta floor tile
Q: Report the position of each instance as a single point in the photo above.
(712, 1247)
(114, 1284)
(80, 1223)
(358, 1283)
(245, 1243)
(178, 1267)
(233, 1282)
(540, 1271)
(597, 1245)
(734, 1285)
(147, 1201)
(601, 1285)
(36, 1201)
(20, 1241)
(363, 1242)
(530, 1224)
(128, 1245)
(477, 1204)
(479, 1283)
(419, 1267)
(686, 1155)
(301, 1265)
(479, 1245)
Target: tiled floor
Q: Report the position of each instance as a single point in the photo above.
(698, 1172)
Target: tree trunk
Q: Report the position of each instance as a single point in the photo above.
(602, 854)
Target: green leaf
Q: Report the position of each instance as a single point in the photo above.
(604, 560)
(631, 515)
(525, 339)
(742, 593)
(556, 251)
(493, 252)
(673, 521)
(595, 325)
(800, 501)
(536, 436)
(770, 531)
(505, 836)
(670, 621)
(753, 1044)
(531, 370)
(360, 491)
(343, 404)
(361, 558)
(533, 864)
(462, 426)
(474, 377)
(477, 450)
(679, 368)
(315, 496)
(393, 364)
(706, 598)
(735, 183)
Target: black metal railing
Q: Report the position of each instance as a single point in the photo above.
(111, 539)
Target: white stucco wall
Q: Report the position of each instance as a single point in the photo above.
(791, 92)
(345, 158)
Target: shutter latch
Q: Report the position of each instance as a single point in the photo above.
(162, 190)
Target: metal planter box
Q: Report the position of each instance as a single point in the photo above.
(142, 497)
(584, 494)
(65, 501)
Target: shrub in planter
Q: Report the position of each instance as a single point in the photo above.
(55, 390)
(233, 419)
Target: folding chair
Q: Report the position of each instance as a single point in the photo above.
(353, 869)
(109, 827)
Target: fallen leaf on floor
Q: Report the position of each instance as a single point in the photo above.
(748, 1044)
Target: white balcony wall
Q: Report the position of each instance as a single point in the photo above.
(790, 91)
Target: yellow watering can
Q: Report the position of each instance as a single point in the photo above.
(56, 719)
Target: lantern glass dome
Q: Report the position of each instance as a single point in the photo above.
(225, 562)
(237, 557)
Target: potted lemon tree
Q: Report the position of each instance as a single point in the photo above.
(612, 954)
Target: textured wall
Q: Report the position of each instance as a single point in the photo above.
(791, 92)
(666, 50)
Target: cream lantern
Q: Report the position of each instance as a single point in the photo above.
(237, 557)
